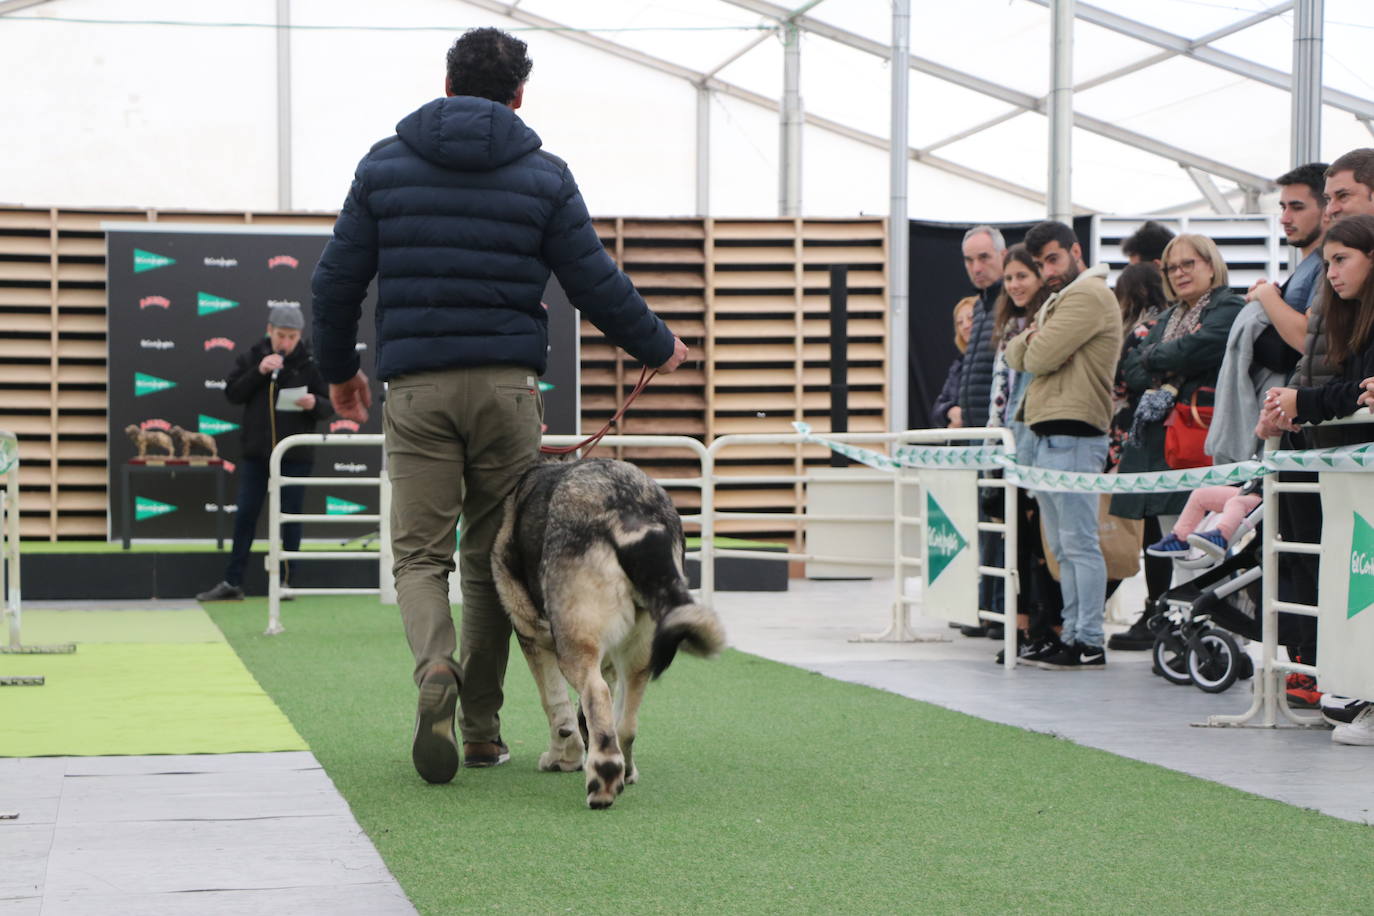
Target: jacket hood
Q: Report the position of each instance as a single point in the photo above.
(467, 133)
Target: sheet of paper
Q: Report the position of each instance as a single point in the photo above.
(287, 398)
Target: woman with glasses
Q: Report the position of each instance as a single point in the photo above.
(1177, 363)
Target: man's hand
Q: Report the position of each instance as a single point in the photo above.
(352, 398)
(306, 401)
(956, 417)
(679, 354)
(270, 363)
(1367, 399)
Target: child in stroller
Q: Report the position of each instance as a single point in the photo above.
(1199, 621)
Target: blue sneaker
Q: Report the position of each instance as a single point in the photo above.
(1168, 546)
(1213, 543)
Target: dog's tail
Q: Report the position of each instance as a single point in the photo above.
(690, 627)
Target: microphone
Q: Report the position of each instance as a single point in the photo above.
(277, 370)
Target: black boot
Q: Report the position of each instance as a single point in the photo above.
(1138, 638)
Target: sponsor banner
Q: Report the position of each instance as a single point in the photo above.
(1345, 623)
(154, 302)
(214, 426)
(333, 505)
(145, 384)
(949, 548)
(145, 509)
(210, 304)
(149, 260)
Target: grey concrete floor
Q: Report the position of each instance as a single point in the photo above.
(1124, 709)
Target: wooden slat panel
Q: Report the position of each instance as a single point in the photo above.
(754, 500)
(26, 399)
(26, 322)
(771, 377)
(663, 229)
(81, 526)
(31, 245)
(25, 296)
(844, 254)
(749, 230)
(755, 530)
(756, 328)
(857, 303)
(844, 229)
(755, 426)
(25, 219)
(651, 400)
(69, 374)
(82, 323)
(80, 425)
(77, 475)
(90, 220)
(81, 501)
(74, 245)
(666, 279)
(83, 400)
(753, 254)
(754, 279)
(32, 374)
(663, 254)
(25, 271)
(732, 351)
(36, 527)
(757, 304)
(81, 298)
(25, 348)
(80, 272)
(323, 221)
(83, 349)
(813, 278)
(786, 400)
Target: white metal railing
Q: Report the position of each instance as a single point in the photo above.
(276, 518)
(1270, 699)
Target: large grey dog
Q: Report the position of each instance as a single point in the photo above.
(588, 563)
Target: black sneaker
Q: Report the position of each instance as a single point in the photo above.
(973, 631)
(434, 749)
(1076, 657)
(1139, 638)
(222, 592)
(1091, 658)
(1038, 651)
(995, 631)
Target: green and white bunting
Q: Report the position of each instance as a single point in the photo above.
(995, 457)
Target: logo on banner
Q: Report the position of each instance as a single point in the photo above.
(206, 304)
(219, 343)
(1361, 594)
(282, 260)
(347, 426)
(221, 262)
(545, 386)
(335, 506)
(161, 302)
(147, 260)
(150, 384)
(148, 343)
(214, 426)
(288, 303)
(217, 383)
(943, 540)
(155, 423)
(349, 467)
(150, 508)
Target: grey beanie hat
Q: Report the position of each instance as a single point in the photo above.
(286, 316)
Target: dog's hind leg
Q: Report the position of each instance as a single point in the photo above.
(634, 673)
(605, 763)
(565, 743)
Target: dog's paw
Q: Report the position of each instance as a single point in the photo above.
(556, 762)
(633, 776)
(605, 780)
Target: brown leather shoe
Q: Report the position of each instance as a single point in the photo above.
(485, 753)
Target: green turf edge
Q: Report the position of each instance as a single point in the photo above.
(767, 789)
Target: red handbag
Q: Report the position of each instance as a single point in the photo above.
(1185, 434)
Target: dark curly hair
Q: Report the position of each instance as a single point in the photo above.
(488, 63)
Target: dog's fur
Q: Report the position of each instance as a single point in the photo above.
(589, 566)
(199, 440)
(146, 438)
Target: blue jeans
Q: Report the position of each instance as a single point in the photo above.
(1071, 529)
(253, 474)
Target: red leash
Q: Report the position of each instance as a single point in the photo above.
(646, 375)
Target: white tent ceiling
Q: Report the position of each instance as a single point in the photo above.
(171, 103)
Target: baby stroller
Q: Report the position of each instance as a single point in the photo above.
(1197, 623)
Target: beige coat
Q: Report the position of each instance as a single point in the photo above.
(1072, 353)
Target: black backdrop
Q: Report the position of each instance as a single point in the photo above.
(937, 282)
(183, 303)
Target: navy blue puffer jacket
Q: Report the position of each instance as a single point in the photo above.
(461, 216)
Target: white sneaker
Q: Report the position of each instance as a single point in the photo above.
(1359, 732)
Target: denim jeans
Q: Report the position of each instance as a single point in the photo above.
(253, 474)
(1071, 529)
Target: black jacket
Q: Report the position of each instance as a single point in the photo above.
(461, 216)
(249, 387)
(949, 394)
(975, 378)
(1339, 396)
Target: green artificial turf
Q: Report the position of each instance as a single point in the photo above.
(766, 789)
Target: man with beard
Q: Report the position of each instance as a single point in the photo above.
(1071, 348)
(1301, 204)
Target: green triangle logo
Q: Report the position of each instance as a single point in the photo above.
(214, 426)
(150, 384)
(943, 540)
(335, 506)
(206, 304)
(147, 260)
(1361, 594)
(150, 508)
(545, 386)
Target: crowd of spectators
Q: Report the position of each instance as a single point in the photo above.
(1173, 368)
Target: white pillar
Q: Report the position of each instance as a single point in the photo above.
(1307, 80)
(703, 151)
(790, 142)
(897, 226)
(1060, 197)
(283, 104)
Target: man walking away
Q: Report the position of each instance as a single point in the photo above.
(461, 216)
(1071, 348)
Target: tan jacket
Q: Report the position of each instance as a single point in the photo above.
(1072, 353)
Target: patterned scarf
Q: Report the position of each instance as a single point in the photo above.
(1184, 320)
